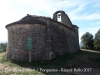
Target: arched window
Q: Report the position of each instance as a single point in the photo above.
(59, 17)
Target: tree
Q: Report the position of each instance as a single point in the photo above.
(97, 40)
(87, 41)
(3, 46)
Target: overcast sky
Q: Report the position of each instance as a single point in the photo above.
(83, 13)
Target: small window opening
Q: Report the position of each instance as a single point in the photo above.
(59, 17)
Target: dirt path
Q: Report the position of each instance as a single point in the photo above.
(2, 66)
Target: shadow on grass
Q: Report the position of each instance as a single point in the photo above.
(80, 59)
(57, 62)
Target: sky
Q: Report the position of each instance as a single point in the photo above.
(83, 13)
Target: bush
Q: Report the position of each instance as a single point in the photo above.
(3, 46)
(3, 59)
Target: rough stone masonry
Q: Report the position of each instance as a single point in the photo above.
(51, 37)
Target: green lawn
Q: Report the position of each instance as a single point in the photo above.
(81, 59)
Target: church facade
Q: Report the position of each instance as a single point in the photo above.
(50, 37)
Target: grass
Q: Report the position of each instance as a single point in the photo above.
(90, 50)
(81, 59)
(1, 51)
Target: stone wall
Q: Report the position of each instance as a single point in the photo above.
(63, 39)
(17, 42)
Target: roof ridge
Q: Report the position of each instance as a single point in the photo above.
(27, 20)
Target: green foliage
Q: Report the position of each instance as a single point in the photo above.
(97, 40)
(3, 59)
(87, 41)
(3, 46)
(1, 51)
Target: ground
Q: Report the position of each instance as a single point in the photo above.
(83, 62)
